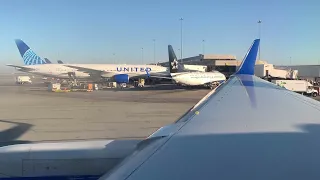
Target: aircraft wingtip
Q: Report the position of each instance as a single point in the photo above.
(249, 61)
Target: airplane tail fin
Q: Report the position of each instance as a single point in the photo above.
(60, 62)
(249, 61)
(28, 56)
(47, 61)
(173, 63)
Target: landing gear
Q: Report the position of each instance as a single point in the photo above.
(123, 85)
(213, 85)
(72, 78)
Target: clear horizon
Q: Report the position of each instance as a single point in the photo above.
(79, 31)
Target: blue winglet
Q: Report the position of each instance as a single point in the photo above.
(249, 61)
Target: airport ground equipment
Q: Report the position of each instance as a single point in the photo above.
(110, 84)
(96, 87)
(23, 80)
(82, 87)
(56, 87)
(299, 86)
(140, 83)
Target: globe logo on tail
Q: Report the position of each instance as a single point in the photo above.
(30, 58)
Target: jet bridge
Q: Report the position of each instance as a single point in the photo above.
(269, 71)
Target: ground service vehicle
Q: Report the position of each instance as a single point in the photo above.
(299, 86)
(23, 80)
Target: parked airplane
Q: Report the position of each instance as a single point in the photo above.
(207, 79)
(206, 142)
(120, 72)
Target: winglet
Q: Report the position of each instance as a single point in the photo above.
(249, 61)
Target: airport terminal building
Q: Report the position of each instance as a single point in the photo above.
(226, 64)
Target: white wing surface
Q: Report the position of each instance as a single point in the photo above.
(247, 129)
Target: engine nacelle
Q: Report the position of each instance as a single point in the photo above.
(121, 78)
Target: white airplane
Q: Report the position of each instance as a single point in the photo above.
(270, 133)
(120, 72)
(207, 79)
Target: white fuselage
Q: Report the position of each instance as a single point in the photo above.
(198, 78)
(61, 71)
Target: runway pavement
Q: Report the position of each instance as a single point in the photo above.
(30, 113)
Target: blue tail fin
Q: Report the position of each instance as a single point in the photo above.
(28, 56)
(249, 61)
(60, 62)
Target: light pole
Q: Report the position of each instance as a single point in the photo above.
(114, 58)
(318, 68)
(181, 19)
(142, 54)
(290, 60)
(203, 41)
(179, 53)
(259, 34)
(154, 51)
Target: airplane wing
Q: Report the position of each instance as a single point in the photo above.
(247, 128)
(160, 77)
(24, 68)
(90, 71)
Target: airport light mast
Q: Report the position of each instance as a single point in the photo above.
(142, 54)
(154, 51)
(203, 44)
(259, 33)
(181, 19)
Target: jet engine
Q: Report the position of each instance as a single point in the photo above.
(121, 78)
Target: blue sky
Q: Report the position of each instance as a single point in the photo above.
(90, 31)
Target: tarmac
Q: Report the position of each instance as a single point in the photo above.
(30, 113)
